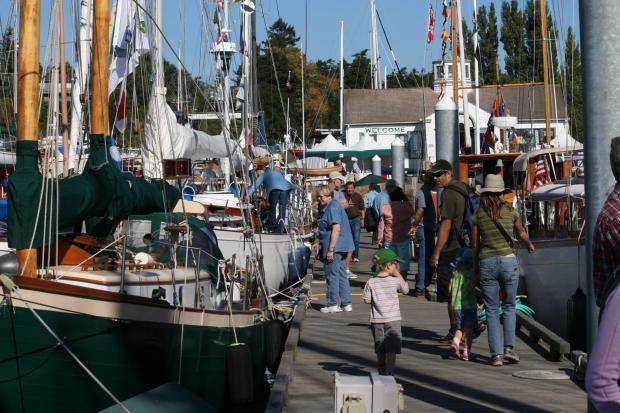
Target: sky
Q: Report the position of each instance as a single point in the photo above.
(405, 22)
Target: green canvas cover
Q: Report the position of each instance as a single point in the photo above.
(100, 191)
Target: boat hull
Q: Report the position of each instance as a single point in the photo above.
(551, 277)
(130, 348)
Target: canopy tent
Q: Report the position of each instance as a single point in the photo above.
(165, 138)
(367, 147)
(329, 148)
(370, 179)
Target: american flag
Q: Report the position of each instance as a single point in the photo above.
(541, 177)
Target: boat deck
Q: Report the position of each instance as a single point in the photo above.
(432, 382)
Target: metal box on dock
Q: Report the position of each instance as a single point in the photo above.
(367, 394)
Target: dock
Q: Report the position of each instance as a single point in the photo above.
(321, 344)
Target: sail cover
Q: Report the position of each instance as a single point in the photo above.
(165, 138)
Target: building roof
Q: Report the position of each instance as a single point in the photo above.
(371, 106)
(524, 102)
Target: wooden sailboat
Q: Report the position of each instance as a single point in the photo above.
(75, 347)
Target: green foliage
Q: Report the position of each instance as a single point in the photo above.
(533, 65)
(468, 39)
(512, 36)
(488, 43)
(572, 84)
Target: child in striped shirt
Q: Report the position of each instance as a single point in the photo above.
(381, 292)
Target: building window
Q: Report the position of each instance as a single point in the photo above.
(467, 72)
(449, 69)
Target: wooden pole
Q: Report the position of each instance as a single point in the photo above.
(502, 85)
(63, 93)
(543, 24)
(99, 80)
(455, 58)
(27, 101)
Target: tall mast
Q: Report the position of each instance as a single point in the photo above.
(15, 70)
(341, 78)
(159, 50)
(463, 78)
(99, 79)
(80, 76)
(27, 103)
(66, 150)
(374, 63)
(543, 24)
(455, 69)
(477, 91)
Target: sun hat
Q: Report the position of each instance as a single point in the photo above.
(385, 255)
(441, 166)
(337, 175)
(494, 184)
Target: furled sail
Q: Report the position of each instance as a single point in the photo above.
(165, 138)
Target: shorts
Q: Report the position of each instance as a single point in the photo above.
(465, 318)
(387, 336)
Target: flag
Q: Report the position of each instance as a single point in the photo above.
(120, 120)
(240, 96)
(477, 51)
(129, 42)
(446, 12)
(114, 154)
(430, 35)
(541, 176)
(289, 87)
(444, 35)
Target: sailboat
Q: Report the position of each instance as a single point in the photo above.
(87, 345)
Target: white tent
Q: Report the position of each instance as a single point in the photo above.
(165, 138)
(329, 144)
(366, 143)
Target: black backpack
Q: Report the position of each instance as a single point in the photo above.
(370, 220)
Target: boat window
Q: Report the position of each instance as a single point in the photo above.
(555, 219)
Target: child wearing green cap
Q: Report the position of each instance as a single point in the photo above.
(381, 292)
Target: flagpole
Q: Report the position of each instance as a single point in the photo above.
(63, 92)
(287, 137)
(463, 78)
(341, 78)
(476, 84)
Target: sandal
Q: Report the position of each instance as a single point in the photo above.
(465, 355)
(454, 351)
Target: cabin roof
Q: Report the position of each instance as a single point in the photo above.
(524, 102)
(403, 105)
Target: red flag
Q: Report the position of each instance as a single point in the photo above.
(446, 12)
(289, 87)
(431, 25)
(120, 121)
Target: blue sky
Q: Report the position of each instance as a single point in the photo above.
(404, 21)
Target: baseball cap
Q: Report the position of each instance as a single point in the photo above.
(441, 165)
(384, 255)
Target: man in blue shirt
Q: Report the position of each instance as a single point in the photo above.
(383, 197)
(278, 191)
(336, 242)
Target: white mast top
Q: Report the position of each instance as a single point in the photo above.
(374, 46)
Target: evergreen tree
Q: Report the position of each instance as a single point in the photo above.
(357, 75)
(281, 35)
(572, 84)
(468, 39)
(513, 40)
(488, 43)
(533, 48)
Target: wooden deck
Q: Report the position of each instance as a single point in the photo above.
(432, 382)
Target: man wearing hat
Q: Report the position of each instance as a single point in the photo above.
(336, 180)
(451, 213)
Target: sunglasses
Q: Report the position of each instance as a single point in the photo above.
(438, 174)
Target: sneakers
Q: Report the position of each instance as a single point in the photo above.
(356, 260)
(347, 308)
(418, 293)
(331, 309)
(351, 275)
(510, 356)
(497, 360)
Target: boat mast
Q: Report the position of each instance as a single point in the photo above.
(463, 77)
(66, 150)
(341, 78)
(99, 79)
(543, 24)
(455, 58)
(27, 102)
(79, 78)
(476, 84)
(374, 63)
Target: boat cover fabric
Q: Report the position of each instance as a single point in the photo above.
(165, 138)
(100, 191)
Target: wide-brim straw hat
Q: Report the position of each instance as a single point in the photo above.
(494, 184)
(337, 175)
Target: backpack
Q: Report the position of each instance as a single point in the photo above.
(463, 234)
(370, 220)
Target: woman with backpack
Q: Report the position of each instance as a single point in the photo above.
(496, 266)
(394, 224)
(603, 375)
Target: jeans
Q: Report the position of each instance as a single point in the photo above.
(500, 273)
(279, 198)
(402, 250)
(355, 225)
(337, 280)
(420, 283)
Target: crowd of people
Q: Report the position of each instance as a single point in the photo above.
(463, 246)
